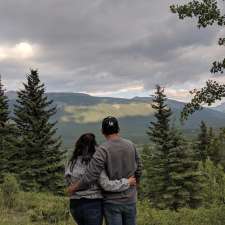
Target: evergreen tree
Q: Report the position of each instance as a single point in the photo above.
(216, 148)
(144, 189)
(210, 134)
(40, 154)
(203, 143)
(159, 129)
(4, 107)
(156, 164)
(214, 188)
(7, 137)
(171, 172)
(4, 117)
(185, 179)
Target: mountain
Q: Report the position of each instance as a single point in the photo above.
(79, 113)
(220, 108)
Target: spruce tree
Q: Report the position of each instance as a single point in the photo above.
(4, 107)
(8, 138)
(203, 143)
(40, 152)
(185, 185)
(159, 129)
(4, 117)
(171, 171)
(216, 148)
(158, 132)
(214, 188)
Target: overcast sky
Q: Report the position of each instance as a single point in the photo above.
(117, 48)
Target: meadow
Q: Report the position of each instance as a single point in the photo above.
(30, 208)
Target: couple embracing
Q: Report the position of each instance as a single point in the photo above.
(102, 180)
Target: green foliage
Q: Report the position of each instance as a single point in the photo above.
(203, 142)
(208, 13)
(7, 137)
(4, 107)
(159, 129)
(171, 174)
(214, 188)
(46, 209)
(4, 113)
(216, 150)
(208, 95)
(10, 190)
(155, 161)
(185, 186)
(37, 208)
(52, 210)
(202, 216)
(39, 154)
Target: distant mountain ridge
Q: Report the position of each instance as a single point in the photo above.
(220, 107)
(79, 113)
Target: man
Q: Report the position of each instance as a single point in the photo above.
(120, 159)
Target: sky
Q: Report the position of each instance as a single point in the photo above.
(119, 48)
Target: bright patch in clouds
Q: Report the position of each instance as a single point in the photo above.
(178, 94)
(123, 92)
(21, 50)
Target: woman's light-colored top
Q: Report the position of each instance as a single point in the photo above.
(93, 191)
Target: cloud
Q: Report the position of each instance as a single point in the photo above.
(104, 46)
(22, 50)
(124, 90)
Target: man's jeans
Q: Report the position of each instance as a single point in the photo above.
(87, 211)
(120, 214)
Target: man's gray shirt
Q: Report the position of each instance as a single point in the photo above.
(120, 159)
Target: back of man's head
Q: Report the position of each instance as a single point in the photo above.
(110, 126)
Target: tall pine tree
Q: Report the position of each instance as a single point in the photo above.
(203, 143)
(157, 172)
(216, 148)
(4, 107)
(40, 148)
(184, 188)
(8, 140)
(4, 117)
(171, 170)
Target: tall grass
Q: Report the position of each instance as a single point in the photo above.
(21, 208)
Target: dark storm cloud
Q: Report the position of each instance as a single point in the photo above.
(103, 45)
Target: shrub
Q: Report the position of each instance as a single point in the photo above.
(202, 216)
(10, 190)
(47, 208)
(1, 199)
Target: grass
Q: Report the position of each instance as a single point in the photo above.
(95, 113)
(46, 209)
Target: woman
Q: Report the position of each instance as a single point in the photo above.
(86, 205)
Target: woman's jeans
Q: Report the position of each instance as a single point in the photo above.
(87, 211)
(120, 214)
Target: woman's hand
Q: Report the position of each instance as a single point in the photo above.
(132, 181)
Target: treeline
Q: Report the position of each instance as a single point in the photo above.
(178, 172)
(29, 146)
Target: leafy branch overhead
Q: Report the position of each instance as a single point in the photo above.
(207, 13)
(207, 95)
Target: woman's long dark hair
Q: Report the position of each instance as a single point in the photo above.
(84, 147)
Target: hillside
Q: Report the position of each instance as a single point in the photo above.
(79, 113)
(220, 107)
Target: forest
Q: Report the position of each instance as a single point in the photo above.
(183, 179)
